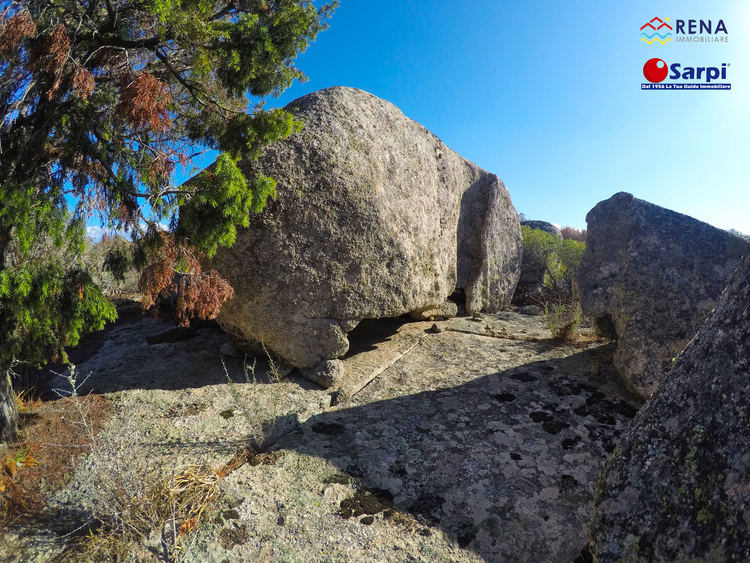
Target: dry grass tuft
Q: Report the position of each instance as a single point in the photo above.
(172, 505)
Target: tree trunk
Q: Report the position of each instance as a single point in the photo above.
(8, 405)
(8, 409)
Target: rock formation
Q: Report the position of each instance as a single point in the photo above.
(651, 277)
(375, 217)
(678, 486)
(482, 443)
(543, 226)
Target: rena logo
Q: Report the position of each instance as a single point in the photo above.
(656, 70)
(656, 31)
(685, 31)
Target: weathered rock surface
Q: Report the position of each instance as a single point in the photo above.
(543, 226)
(678, 486)
(651, 277)
(375, 217)
(479, 443)
(447, 310)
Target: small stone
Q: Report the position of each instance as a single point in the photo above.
(531, 310)
(437, 329)
(349, 325)
(447, 310)
(230, 349)
(326, 374)
(281, 368)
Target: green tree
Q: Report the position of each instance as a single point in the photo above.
(100, 100)
(549, 258)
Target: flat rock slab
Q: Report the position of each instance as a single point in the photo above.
(481, 442)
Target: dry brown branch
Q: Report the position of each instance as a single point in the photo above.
(143, 102)
(83, 82)
(16, 28)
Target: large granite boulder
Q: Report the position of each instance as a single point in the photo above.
(375, 217)
(650, 277)
(543, 226)
(678, 486)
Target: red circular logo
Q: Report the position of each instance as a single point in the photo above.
(655, 70)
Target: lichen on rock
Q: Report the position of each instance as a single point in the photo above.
(678, 486)
(650, 277)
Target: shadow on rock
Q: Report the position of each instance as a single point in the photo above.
(151, 355)
(370, 333)
(505, 464)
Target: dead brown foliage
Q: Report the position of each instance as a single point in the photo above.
(112, 60)
(143, 102)
(55, 439)
(58, 48)
(175, 272)
(51, 51)
(83, 82)
(574, 234)
(15, 29)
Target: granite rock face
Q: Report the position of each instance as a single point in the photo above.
(651, 277)
(375, 217)
(479, 443)
(678, 486)
(543, 226)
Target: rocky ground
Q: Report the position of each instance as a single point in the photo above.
(471, 439)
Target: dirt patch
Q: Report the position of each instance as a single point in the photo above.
(366, 501)
(230, 537)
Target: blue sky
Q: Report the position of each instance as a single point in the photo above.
(547, 96)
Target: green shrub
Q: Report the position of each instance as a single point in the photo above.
(569, 253)
(552, 261)
(549, 258)
(109, 263)
(538, 247)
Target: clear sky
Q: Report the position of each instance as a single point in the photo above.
(547, 95)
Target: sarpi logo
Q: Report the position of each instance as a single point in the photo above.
(656, 30)
(657, 70)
